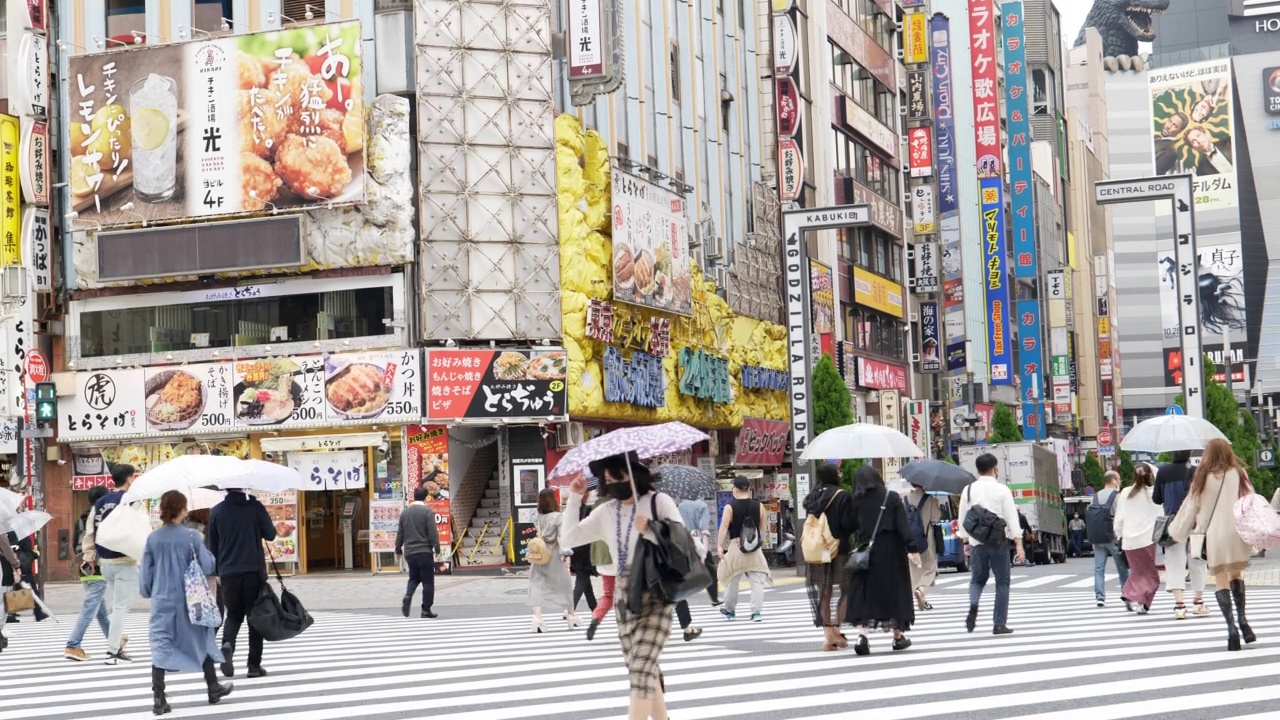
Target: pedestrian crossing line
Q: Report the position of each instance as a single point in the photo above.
(1038, 581)
(352, 665)
(1088, 582)
(949, 579)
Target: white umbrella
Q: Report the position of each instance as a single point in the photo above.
(188, 472)
(860, 440)
(10, 501)
(1168, 433)
(203, 499)
(25, 524)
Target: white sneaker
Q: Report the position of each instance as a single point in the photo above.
(1200, 610)
(571, 619)
(1180, 613)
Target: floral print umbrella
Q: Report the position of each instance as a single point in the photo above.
(646, 442)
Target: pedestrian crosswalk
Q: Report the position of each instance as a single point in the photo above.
(1066, 656)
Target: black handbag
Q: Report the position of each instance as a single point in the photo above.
(278, 618)
(670, 567)
(860, 558)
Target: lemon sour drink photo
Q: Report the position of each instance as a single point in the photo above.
(153, 105)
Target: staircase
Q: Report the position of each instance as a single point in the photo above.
(489, 549)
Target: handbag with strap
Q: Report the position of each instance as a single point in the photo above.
(668, 566)
(537, 552)
(202, 606)
(1196, 542)
(19, 599)
(278, 618)
(1160, 534)
(860, 559)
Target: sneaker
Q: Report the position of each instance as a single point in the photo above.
(430, 614)
(692, 634)
(75, 653)
(756, 617)
(1180, 612)
(728, 614)
(1200, 609)
(1143, 609)
(1102, 603)
(117, 658)
(1001, 630)
(124, 642)
(257, 671)
(1128, 606)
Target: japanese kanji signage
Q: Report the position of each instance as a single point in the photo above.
(10, 192)
(925, 277)
(930, 338)
(586, 39)
(36, 245)
(999, 351)
(786, 47)
(917, 95)
(790, 170)
(651, 262)
(920, 144)
(271, 120)
(762, 442)
(480, 384)
(916, 41)
(34, 170)
(788, 99)
(881, 375)
(1023, 216)
(983, 45)
(924, 218)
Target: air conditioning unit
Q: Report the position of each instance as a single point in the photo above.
(715, 248)
(902, 54)
(698, 256)
(569, 435)
(722, 278)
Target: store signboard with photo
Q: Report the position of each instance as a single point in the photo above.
(1192, 130)
(282, 507)
(426, 458)
(651, 262)
(218, 126)
(384, 523)
(277, 393)
(487, 384)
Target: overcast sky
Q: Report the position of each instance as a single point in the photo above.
(1073, 13)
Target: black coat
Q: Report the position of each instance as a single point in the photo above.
(881, 597)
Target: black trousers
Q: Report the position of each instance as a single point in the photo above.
(157, 676)
(582, 586)
(239, 592)
(422, 571)
(682, 607)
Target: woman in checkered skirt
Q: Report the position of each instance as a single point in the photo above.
(619, 523)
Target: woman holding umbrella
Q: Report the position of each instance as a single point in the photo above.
(620, 523)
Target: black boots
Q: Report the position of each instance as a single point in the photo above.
(216, 690)
(160, 705)
(1237, 592)
(1224, 604)
(971, 620)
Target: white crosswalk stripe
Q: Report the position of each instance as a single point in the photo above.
(1066, 656)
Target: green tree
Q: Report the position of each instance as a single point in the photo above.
(1004, 426)
(1094, 475)
(1126, 465)
(833, 408)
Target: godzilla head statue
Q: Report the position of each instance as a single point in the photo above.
(1123, 24)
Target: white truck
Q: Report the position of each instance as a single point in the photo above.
(1031, 472)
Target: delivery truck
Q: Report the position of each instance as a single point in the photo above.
(1031, 472)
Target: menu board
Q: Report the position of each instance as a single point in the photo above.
(465, 384)
(426, 450)
(384, 523)
(286, 392)
(283, 509)
(331, 470)
(444, 529)
(523, 533)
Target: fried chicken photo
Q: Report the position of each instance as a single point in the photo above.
(250, 73)
(313, 168)
(307, 93)
(258, 182)
(262, 127)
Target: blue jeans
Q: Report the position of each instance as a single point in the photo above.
(984, 561)
(94, 590)
(1101, 552)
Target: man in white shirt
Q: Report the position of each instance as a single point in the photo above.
(985, 560)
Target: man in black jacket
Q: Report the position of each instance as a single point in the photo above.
(237, 528)
(419, 542)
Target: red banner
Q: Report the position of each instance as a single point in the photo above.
(444, 528)
(986, 103)
(881, 375)
(762, 442)
(920, 145)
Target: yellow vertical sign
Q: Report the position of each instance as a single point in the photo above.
(917, 50)
(10, 191)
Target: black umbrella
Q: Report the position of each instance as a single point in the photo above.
(685, 482)
(937, 476)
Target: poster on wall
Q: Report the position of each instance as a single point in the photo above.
(444, 530)
(1192, 130)
(217, 126)
(1220, 273)
(485, 384)
(282, 507)
(930, 338)
(426, 460)
(651, 262)
(384, 523)
(822, 291)
(529, 481)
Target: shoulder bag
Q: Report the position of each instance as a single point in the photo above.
(1196, 542)
(860, 559)
(537, 552)
(668, 566)
(278, 618)
(202, 607)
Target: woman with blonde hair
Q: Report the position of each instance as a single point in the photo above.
(1208, 521)
(1135, 524)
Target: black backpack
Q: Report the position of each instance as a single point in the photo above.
(749, 539)
(1099, 521)
(915, 521)
(985, 526)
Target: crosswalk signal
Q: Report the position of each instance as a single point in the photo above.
(46, 404)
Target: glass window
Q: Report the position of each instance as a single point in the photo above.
(123, 18)
(207, 15)
(332, 315)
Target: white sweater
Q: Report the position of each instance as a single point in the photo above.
(1135, 521)
(602, 523)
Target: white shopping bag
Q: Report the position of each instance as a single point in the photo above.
(125, 530)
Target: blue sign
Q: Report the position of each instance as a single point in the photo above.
(1023, 217)
(995, 258)
(637, 381)
(956, 356)
(1174, 410)
(930, 338)
(944, 126)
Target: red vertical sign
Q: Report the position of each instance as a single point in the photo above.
(986, 103)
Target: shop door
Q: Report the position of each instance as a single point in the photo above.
(330, 541)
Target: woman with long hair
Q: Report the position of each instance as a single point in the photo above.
(831, 503)
(1135, 523)
(550, 584)
(1207, 520)
(621, 522)
(880, 597)
(177, 644)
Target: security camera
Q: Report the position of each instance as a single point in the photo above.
(269, 456)
(383, 448)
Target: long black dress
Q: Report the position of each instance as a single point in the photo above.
(881, 597)
(822, 579)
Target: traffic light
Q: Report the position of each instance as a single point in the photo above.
(46, 404)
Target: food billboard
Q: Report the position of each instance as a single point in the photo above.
(651, 263)
(485, 384)
(217, 126)
(267, 394)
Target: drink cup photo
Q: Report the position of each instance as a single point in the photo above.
(153, 108)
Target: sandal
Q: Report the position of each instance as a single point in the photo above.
(843, 642)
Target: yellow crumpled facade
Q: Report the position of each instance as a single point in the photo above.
(582, 183)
